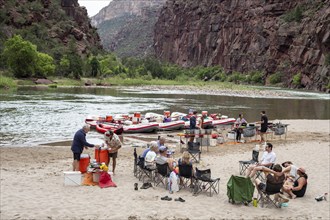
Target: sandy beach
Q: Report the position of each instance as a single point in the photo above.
(32, 182)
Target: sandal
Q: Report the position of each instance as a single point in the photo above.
(166, 198)
(180, 199)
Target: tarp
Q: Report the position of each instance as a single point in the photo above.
(240, 189)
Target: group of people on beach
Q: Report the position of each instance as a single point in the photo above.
(112, 142)
(293, 180)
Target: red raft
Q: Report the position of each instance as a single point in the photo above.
(103, 127)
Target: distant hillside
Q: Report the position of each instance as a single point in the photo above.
(126, 26)
(52, 25)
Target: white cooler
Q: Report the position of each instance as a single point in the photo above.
(72, 178)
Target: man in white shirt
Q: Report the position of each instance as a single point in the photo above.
(149, 160)
(267, 160)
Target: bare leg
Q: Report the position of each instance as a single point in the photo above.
(289, 191)
(262, 137)
(249, 169)
(114, 164)
(75, 165)
(255, 170)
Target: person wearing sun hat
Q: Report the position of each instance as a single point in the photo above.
(114, 144)
(300, 185)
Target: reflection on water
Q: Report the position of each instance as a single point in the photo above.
(33, 115)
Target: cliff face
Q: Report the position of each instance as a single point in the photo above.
(274, 36)
(50, 24)
(126, 26)
(119, 8)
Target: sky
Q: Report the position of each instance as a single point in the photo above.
(93, 6)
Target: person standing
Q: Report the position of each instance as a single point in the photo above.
(264, 126)
(193, 125)
(240, 121)
(78, 144)
(114, 144)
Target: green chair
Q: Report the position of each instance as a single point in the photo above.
(240, 189)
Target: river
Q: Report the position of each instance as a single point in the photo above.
(36, 115)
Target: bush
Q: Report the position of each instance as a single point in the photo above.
(275, 78)
(296, 79)
(294, 15)
(6, 82)
(327, 60)
(256, 77)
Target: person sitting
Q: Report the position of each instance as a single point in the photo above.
(161, 141)
(149, 161)
(300, 185)
(162, 158)
(267, 160)
(290, 172)
(274, 181)
(240, 122)
(185, 160)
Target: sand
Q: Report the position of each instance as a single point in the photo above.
(32, 182)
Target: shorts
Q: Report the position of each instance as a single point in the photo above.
(262, 187)
(76, 156)
(263, 130)
(113, 155)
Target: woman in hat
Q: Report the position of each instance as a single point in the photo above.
(300, 185)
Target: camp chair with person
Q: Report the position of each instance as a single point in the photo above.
(186, 174)
(272, 187)
(142, 171)
(162, 174)
(244, 164)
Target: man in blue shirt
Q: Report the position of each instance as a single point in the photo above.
(78, 144)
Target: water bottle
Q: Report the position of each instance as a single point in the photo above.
(256, 148)
(255, 202)
(321, 197)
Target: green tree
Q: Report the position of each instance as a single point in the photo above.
(45, 65)
(64, 67)
(21, 56)
(95, 65)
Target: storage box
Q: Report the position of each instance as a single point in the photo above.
(72, 178)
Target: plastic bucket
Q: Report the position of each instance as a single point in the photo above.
(137, 115)
(84, 162)
(108, 118)
(101, 156)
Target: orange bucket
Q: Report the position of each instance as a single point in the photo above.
(137, 114)
(102, 156)
(108, 118)
(167, 113)
(83, 163)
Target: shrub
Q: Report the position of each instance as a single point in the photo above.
(296, 79)
(6, 82)
(294, 15)
(256, 77)
(327, 60)
(275, 78)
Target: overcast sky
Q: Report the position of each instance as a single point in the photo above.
(94, 6)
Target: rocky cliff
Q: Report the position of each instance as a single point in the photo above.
(273, 36)
(126, 26)
(50, 24)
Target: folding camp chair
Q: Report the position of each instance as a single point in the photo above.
(144, 172)
(240, 189)
(244, 164)
(135, 164)
(162, 173)
(271, 190)
(204, 182)
(194, 149)
(186, 174)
